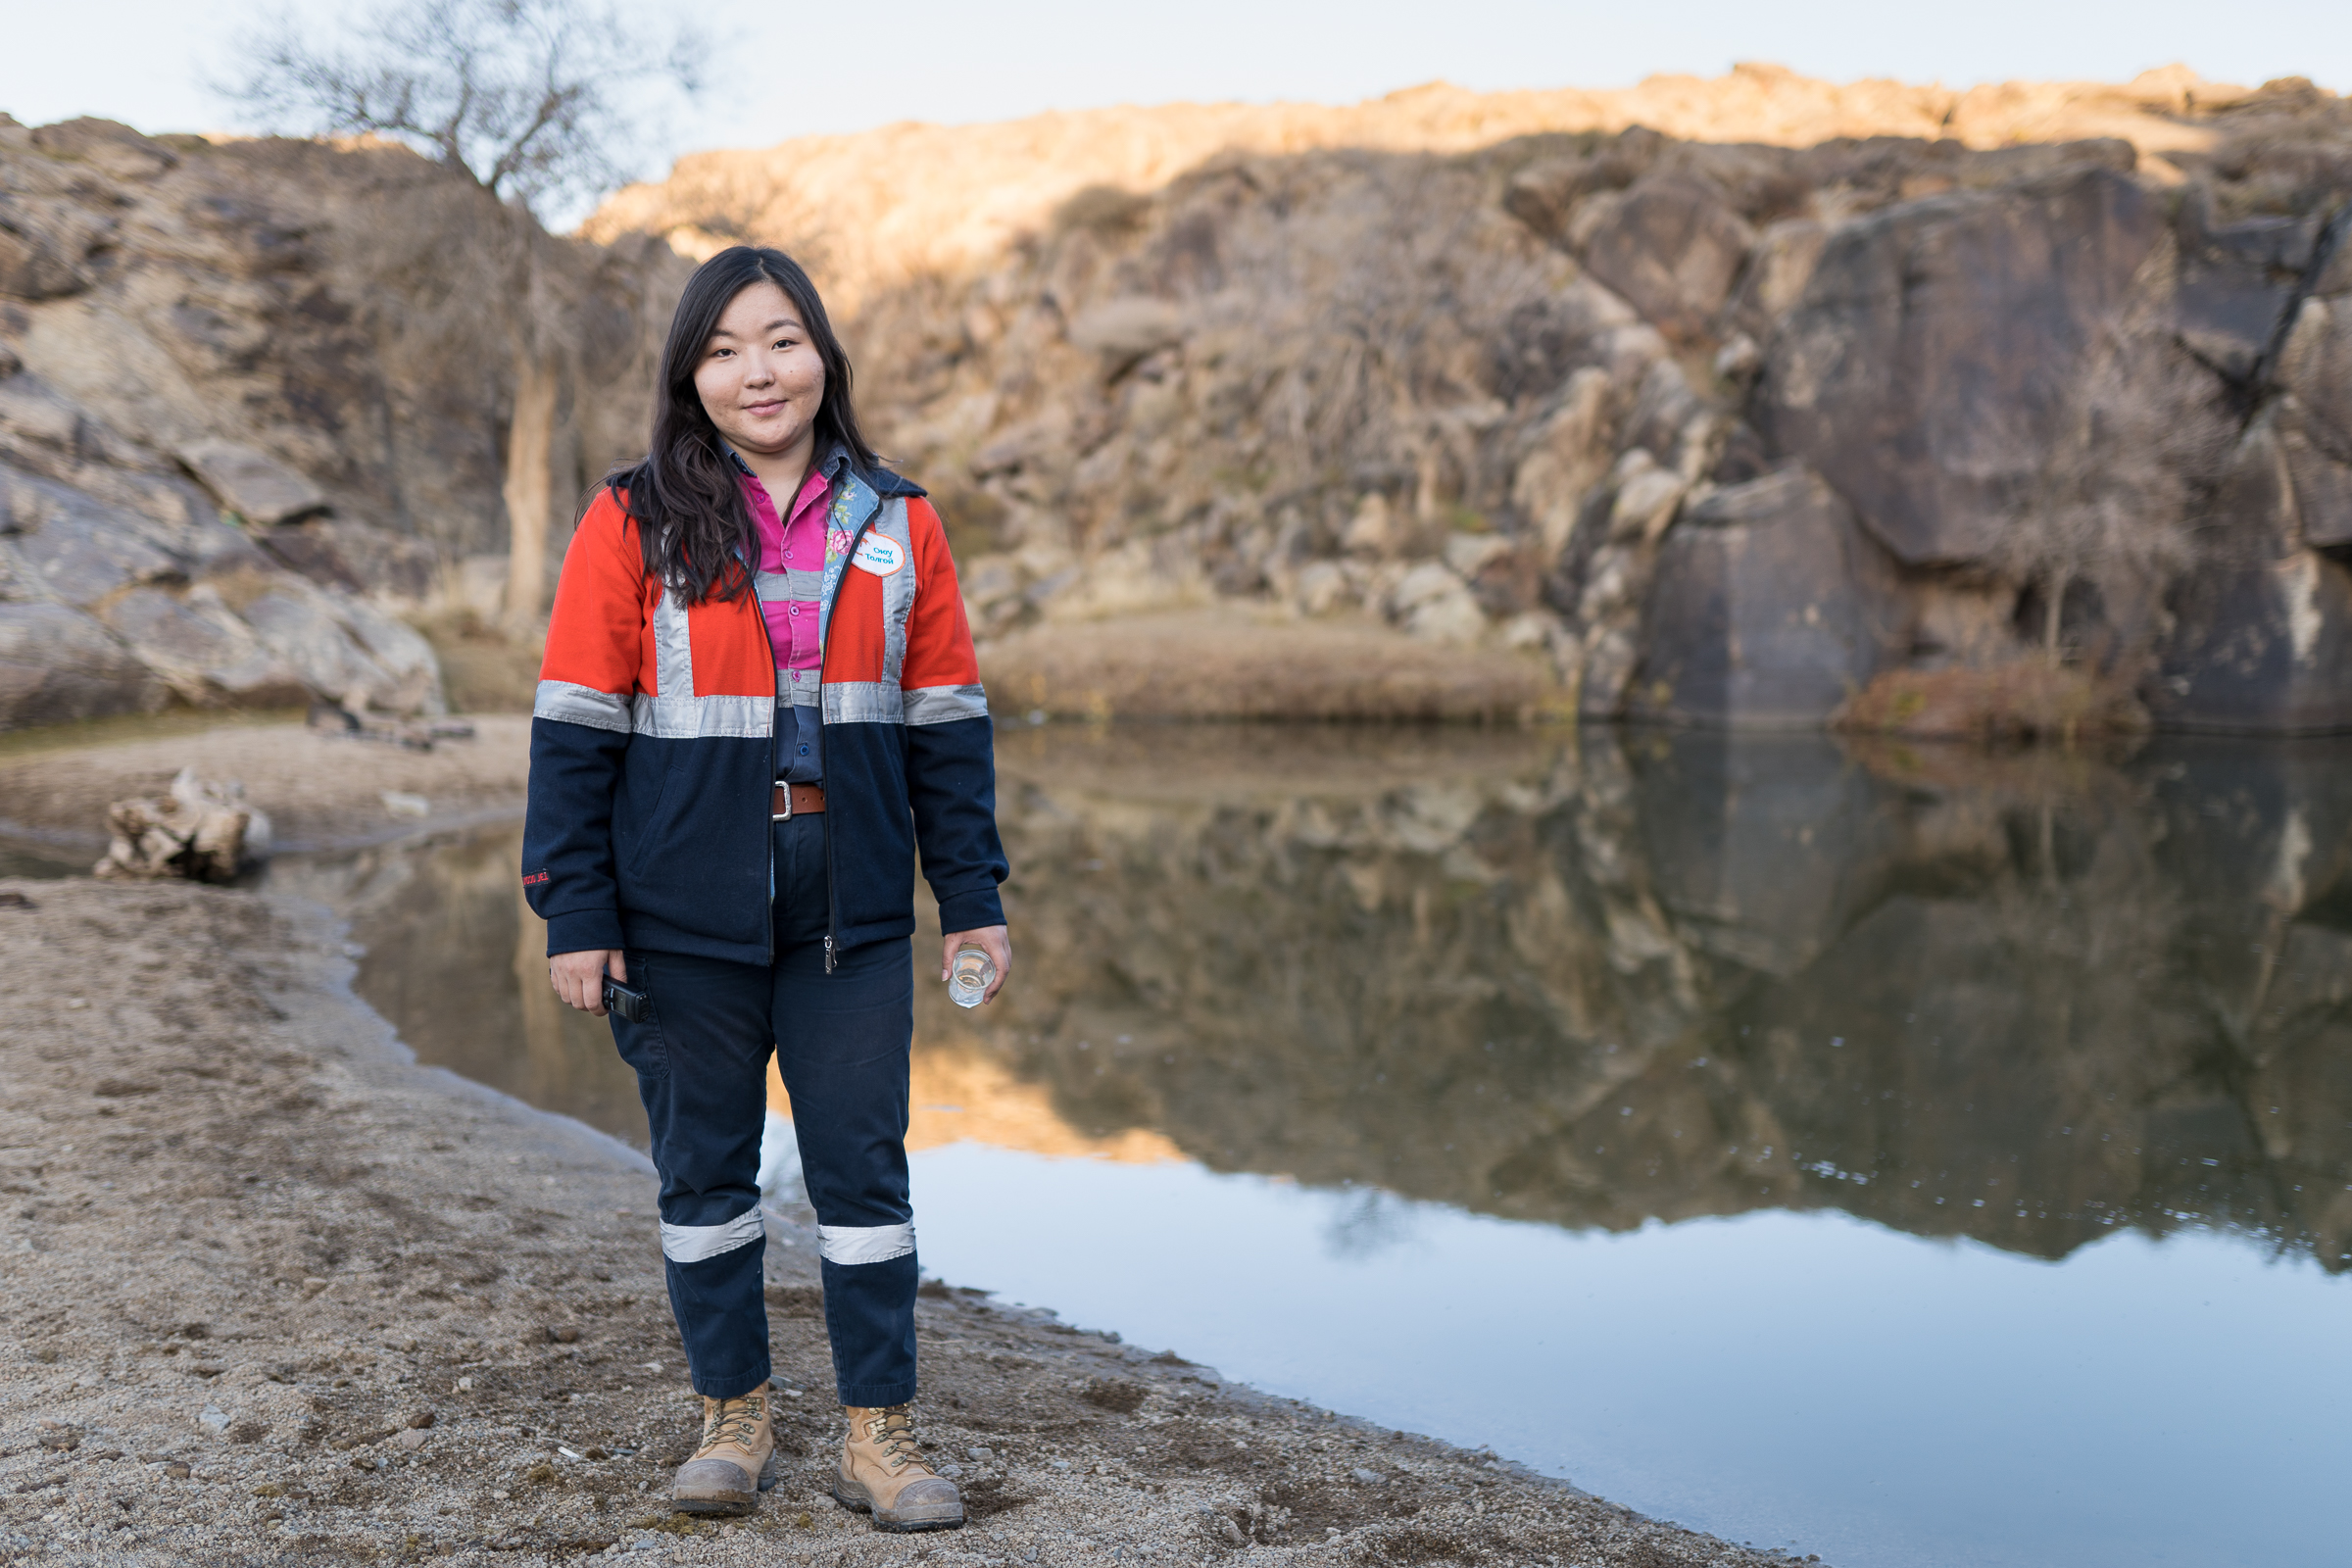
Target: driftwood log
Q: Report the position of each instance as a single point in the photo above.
(202, 831)
(359, 724)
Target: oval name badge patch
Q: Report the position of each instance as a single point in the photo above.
(879, 554)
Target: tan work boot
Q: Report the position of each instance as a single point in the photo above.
(736, 1462)
(882, 1472)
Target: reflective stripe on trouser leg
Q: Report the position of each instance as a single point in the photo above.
(864, 1243)
(691, 1243)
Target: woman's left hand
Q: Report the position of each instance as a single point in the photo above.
(988, 939)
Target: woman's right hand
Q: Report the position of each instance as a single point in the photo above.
(580, 977)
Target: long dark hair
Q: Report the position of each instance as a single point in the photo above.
(686, 497)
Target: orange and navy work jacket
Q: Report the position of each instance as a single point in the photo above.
(649, 819)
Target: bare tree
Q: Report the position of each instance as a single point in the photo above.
(534, 102)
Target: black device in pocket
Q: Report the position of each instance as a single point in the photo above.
(630, 1003)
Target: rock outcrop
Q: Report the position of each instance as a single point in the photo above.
(1771, 606)
(2063, 370)
(239, 436)
(1751, 402)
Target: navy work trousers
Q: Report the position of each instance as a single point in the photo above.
(841, 1043)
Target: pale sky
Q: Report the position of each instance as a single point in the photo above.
(787, 71)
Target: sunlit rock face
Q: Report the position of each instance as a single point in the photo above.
(251, 399)
(2073, 353)
(1470, 372)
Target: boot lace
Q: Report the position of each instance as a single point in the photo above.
(732, 1421)
(894, 1436)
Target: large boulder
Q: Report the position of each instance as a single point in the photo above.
(356, 557)
(57, 665)
(253, 486)
(44, 245)
(2259, 647)
(1923, 367)
(73, 547)
(106, 145)
(1769, 608)
(1671, 245)
(195, 641)
(194, 609)
(345, 648)
(2236, 281)
(2314, 371)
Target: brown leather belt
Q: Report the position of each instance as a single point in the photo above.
(796, 800)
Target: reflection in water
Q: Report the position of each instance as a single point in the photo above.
(457, 962)
(41, 859)
(1463, 1013)
(1683, 975)
(1593, 982)
(962, 1095)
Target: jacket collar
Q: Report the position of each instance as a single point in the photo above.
(888, 484)
(837, 462)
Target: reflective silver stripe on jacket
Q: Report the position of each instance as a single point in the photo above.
(673, 711)
(864, 1243)
(686, 718)
(864, 702)
(691, 1243)
(943, 705)
(581, 704)
(898, 587)
(673, 649)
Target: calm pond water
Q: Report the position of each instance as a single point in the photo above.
(1915, 1160)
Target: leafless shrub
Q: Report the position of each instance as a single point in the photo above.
(2112, 497)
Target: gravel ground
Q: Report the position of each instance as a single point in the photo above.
(277, 1293)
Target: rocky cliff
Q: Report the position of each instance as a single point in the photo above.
(1755, 402)
(253, 399)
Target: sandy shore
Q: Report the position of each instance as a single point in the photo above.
(322, 792)
(275, 1293)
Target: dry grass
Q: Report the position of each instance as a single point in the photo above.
(1211, 663)
(2027, 700)
(1193, 664)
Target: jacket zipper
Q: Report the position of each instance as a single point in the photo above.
(832, 901)
(767, 832)
(767, 835)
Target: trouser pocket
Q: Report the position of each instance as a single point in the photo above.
(641, 1044)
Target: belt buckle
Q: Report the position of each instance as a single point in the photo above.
(785, 816)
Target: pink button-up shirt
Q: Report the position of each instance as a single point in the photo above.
(793, 550)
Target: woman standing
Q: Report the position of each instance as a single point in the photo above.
(759, 699)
